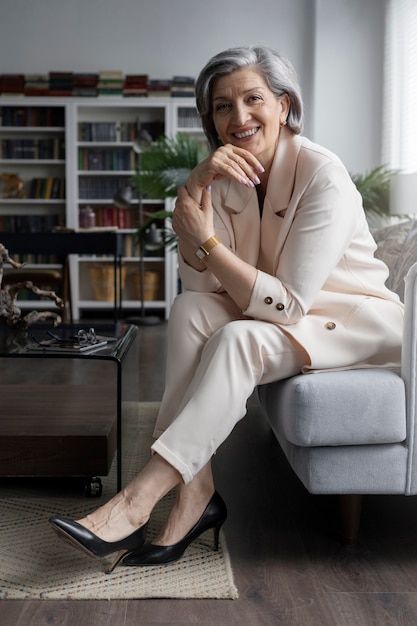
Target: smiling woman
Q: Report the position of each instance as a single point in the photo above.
(279, 277)
(274, 70)
(247, 114)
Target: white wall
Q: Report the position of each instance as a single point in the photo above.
(348, 80)
(160, 37)
(333, 44)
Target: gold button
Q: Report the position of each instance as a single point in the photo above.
(330, 325)
(280, 306)
(268, 300)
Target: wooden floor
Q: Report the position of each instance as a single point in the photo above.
(289, 565)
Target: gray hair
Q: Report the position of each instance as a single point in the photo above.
(277, 72)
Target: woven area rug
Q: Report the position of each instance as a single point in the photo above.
(35, 564)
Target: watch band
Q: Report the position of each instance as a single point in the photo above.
(206, 247)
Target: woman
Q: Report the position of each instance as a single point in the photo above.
(277, 262)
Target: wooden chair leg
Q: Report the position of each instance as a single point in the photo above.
(350, 514)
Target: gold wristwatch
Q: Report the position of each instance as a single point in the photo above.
(206, 247)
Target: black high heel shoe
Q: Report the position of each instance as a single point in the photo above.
(83, 539)
(214, 516)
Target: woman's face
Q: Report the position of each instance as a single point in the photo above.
(247, 114)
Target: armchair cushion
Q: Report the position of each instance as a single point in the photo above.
(397, 247)
(353, 407)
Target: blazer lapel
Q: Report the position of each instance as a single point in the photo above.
(242, 205)
(277, 204)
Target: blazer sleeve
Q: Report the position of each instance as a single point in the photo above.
(194, 280)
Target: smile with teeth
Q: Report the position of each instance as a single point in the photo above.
(247, 133)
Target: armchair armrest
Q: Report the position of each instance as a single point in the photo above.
(409, 374)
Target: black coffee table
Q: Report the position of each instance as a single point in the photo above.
(62, 412)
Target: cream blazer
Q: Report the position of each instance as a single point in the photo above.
(318, 279)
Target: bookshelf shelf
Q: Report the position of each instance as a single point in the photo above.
(14, 202)
(31, 129)
(104, 172)
(32, 162)
(92, 141)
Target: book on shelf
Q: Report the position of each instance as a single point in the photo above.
(33, 223)
(106, 159)
(110, 75)
(50, 188)
(182, 87)
(111, 132)
(110, 83)
(85, 84)
(12, 84)
(60, 84)
(30, 116)
(109, 216)
(51, 149)
(159, 87)
(37, 85)
(61, 80)
(135, 85)
(100, 187)
(188, 118)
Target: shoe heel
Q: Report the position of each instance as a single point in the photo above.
(116, 561)
(216, 533)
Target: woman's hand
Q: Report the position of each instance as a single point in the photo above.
(228, 161)
(193, 223)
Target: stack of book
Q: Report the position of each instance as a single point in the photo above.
(30, 224)
(91, 84)
(60, 83)
(85, 85)
(159, 87)
(37, 85)
(107, 131)
(32, 116)
(40, 148)
(100, 187)
(110, 216)
(12, 84)
(110, 83)
(135, 85)
(188, 118)
(47, 188)
(108, 159)
(182, 87)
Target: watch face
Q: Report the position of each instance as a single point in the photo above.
(200, 254)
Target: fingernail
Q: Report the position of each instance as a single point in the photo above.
(247, 182)
(257, 180)
(261, 168)
(208, 187)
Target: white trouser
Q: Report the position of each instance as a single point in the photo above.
(216, 358)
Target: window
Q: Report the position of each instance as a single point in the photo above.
(399, 141)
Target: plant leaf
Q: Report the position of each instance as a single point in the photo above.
(374, 187)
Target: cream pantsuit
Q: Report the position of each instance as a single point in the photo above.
(216, 357)
(319, 300)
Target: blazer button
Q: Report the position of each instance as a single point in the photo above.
(330, 325)
(280, 307)
(268, 300)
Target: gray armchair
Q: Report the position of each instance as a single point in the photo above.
(354, 432)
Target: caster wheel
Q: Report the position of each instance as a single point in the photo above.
(93, 488)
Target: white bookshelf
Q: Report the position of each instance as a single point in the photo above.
(97, 159)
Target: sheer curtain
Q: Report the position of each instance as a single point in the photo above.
(399, 140)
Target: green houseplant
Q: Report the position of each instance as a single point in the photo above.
(163, 166)
(374, 187)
